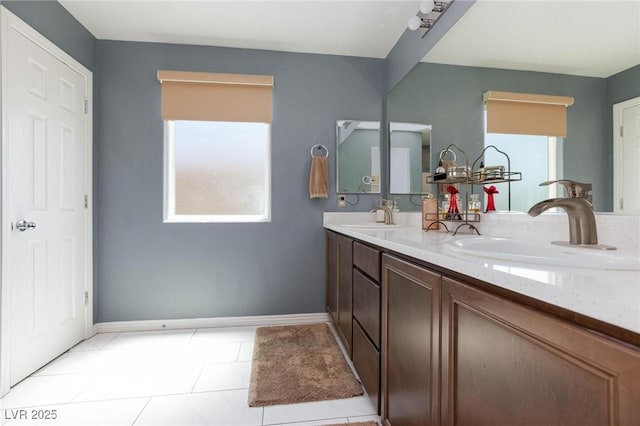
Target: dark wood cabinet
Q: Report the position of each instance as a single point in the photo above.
(431, 350)
(504, 363)
(345, 291)
(339, 290)
(366, 360)
(410, 344)
(366, 305)
(366, 318)
(367, 259)
(331, 240)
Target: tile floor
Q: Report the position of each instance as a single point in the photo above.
(181, 377)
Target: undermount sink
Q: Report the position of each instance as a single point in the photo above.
(545, 254)
(371, 225)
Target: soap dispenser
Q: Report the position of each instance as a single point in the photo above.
(474, 205)
(445, 206)
(430, 212)
(380, 213)
(482, 174)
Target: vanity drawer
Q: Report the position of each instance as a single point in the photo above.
(366, 305)
(366, 360)
(367, 259)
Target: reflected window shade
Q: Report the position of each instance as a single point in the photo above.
(216, 97)
(527, 114)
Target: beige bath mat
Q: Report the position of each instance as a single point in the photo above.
(299, 363)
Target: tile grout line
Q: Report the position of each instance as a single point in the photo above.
(86, 386)
(210, 391)
(197, 378)
(107, 343)
(195, 330)
(140, 413)
(329, 419)
(92, 401)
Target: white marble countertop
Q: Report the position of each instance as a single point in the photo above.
(609, 296)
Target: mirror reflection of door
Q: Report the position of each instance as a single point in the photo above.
(375, 169)
(409, 157)
(400, 167)
(626, 156)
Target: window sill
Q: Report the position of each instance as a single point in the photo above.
(218, 219)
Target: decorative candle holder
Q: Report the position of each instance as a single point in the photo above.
(491, 207)
(453, 213)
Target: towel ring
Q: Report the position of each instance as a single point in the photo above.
(446, 151)
(319, 146)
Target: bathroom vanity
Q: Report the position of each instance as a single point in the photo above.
(441, 338)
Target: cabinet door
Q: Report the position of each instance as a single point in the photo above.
(345, 290)
(366, 361)
(366, 305)
(503, 363)
(332, 275)
(410, 344)
(367, 259)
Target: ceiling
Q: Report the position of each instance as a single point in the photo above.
(347, 27)
(589, 38)
(579, 37)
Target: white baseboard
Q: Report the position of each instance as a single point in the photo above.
(177, 324)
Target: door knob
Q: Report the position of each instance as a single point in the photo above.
(23, 225)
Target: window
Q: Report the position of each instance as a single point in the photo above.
(217, 171)
(536, 157)
(530, 129)
(217, 147)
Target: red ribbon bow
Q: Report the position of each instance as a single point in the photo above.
(490, 190)
(451, 189)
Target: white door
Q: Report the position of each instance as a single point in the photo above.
(45, 128)
(400, 166)
(375, 170)
(627, 156)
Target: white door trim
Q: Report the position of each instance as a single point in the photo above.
(9, 22)
(617, 149)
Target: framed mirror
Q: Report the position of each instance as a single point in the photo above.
(358, 157)
(409, 157)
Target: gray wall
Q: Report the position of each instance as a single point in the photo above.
(623, 86)
(450, 98)
(151, 270)
(412, 47)
(53, 21)
(147, 270)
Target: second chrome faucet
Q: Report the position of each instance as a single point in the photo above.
(579, 208)
(388, 213)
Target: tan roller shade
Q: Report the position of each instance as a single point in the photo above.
(216, 97)
(526, 113)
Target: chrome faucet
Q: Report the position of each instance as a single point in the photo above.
(574, 189)
(388, 214)
(582, 221)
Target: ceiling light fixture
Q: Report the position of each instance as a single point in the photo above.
(431, 10)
